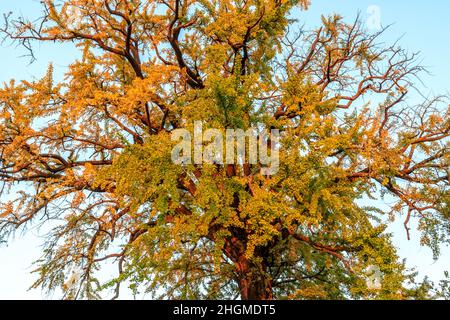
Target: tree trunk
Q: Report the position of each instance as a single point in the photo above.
(253, 279)
(254, 284)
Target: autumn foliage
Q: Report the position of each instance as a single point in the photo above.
(89, 156)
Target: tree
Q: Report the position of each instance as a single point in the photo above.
(90, 156)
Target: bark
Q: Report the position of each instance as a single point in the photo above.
(254, 282)
(253, 279)
(255, 288)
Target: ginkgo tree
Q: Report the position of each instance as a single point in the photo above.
(90, 156)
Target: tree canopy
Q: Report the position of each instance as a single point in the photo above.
(90, 155)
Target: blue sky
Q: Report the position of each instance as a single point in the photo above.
(422, 25)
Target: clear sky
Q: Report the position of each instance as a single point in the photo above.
(422, 25)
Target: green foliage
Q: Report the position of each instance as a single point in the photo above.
(100, 162)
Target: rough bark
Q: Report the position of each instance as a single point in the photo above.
(255, 285)
(253, 280)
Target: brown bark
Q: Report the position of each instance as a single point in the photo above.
(253, 280)
(255, 285)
